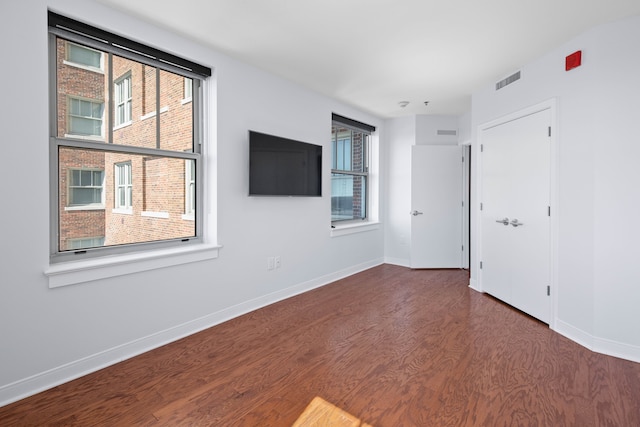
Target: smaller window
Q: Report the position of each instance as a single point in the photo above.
(122, 89)
(85, 242)
(190, 188)
(85, 117)
(84, 56)
(188, 88)
(124, 188)
(85, 187)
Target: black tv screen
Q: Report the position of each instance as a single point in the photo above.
(283, 167)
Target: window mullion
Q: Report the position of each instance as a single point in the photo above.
(157, 107)
(109, 102)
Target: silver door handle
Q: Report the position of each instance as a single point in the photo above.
(415, 213)
(503, 221)
(515, 222)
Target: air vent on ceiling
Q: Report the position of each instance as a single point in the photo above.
(504, 82)
(447, 132)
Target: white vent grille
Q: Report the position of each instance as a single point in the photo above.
(447, 132)
(504, 82)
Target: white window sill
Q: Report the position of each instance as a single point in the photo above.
(83, 66)
(150, 214)
(123, 125)
(343, 230)
(85, 208)
(122, 211)
(153, 113)
(75, 272)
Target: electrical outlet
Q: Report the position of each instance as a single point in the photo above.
(277, 262)
(270, 263)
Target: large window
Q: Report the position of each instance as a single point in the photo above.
(349, 169)
(124, 142)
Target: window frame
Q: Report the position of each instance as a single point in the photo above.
(365, 175)
(197, 73)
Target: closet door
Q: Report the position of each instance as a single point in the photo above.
(516, 227)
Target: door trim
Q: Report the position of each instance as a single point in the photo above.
(550, 104)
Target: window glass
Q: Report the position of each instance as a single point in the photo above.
(83, 55)
(349, 173)
(131, 183)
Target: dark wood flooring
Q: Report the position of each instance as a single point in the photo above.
(392, 346)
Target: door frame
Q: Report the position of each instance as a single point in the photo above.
(550, 104)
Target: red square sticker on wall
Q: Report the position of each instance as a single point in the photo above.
(574, 60)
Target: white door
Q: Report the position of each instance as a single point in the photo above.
(436, 206)
(516, 245)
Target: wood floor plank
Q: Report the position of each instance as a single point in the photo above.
(391, 346)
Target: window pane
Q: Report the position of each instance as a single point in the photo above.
(154, 189)
(82, 55)
(176, 117)
(348, 149)
(348, 197)
(80, 92)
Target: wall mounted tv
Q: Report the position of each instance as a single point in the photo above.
(283, 167)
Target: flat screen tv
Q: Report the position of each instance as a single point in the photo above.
(283, 167)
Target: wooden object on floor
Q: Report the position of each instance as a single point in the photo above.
(321, 413)
(397, 347)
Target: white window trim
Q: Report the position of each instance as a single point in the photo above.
(76, 272)
(82, 66)
(352, 228)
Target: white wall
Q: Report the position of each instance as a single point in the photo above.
(51, 335)
(598, 283)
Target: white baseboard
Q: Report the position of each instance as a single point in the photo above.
(597, 344)
(78, 368)
(473, 284)
(397, 261)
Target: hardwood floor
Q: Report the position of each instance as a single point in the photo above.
(391, 346)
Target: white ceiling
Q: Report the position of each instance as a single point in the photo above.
(373, 54)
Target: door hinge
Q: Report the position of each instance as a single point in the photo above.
(548, 290)
(462, 159)
(548, 210)
(462, 248)
(482, 148)
(481, 207)
(480, 265)
(549, 130)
